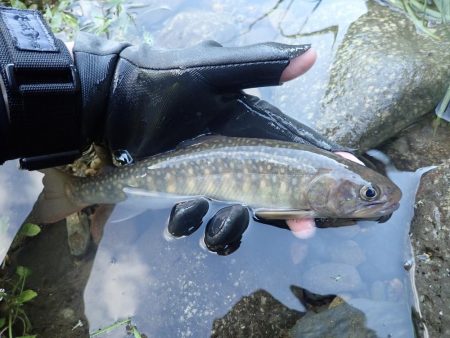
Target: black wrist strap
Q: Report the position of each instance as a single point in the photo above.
(40, 88)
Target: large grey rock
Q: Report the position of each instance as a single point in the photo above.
(430, 238)
(384, 77)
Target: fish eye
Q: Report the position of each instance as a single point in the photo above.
(368, 193)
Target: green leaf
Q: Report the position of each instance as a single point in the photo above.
(23, 271)
(26, 296)
(136, 333)
(29, 230)
(2, 322)
(18, 4)
(33, 336)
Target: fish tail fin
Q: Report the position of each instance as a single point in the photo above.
(53, 203)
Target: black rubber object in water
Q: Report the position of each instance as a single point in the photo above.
(186, 217)
(224, 231)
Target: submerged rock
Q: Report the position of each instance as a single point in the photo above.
(424, 144)
(341, 320)
(189, 28)
(256, 315)
(384, 77)
(331, 278)
(430, 238)
(347, 252)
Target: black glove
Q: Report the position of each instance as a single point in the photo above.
(154, 99)
(136, 100)
(145, 101)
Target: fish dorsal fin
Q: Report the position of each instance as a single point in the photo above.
(265, 213)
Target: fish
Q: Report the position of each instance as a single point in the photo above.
(277, 180)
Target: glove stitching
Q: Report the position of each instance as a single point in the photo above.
(242, 64)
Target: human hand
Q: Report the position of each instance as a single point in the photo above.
(145, 101)
(159, 98)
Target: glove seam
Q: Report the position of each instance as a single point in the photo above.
(96, 54)
(209, 66)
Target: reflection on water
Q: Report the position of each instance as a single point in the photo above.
(18, 192)
(176, 288)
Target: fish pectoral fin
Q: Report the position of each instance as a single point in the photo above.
(283, 213)
(138, 201)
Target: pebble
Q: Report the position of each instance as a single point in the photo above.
(347, 252)
(331, 278)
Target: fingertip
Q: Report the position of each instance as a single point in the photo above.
(299, 65)
(302, 228)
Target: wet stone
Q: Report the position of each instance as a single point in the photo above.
(347, 252)
(331, 278)
(424, 144)
(385, 76)
(78, 233)
(256, 315)
(430, 238)
(341, 320)
(189, 28)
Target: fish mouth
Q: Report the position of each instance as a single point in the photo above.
(377, 210)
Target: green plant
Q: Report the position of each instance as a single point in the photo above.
(13, 293)
(12, 299)
(60, 17)
(425, 13)
(114, 17)
(131, 329)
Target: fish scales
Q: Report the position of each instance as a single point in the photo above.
(266, 174)
(232, 169)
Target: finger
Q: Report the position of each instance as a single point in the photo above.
(186, 217)
(302, 228)
(224, 230)
(256, 65)
(299, 65)
(223, 67)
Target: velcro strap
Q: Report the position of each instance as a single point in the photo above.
(40, 88)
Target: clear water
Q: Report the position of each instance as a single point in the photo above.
(18, 192)
(176, 288)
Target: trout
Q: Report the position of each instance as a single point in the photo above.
(277, 180)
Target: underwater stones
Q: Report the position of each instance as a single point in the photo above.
(341, 320)
(331, 278)
(347, 252)
(78, 233)
(189, 28)
(424, 144)
(256, 315)
(384, 77)
(430, 236)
